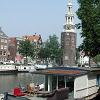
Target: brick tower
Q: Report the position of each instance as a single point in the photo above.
(68, 38)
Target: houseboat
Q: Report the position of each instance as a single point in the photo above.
(8, 68)
(83, 83)
(43, 66)
(25, 68)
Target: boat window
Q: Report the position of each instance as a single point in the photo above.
(61, 82)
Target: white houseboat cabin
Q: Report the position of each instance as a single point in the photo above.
(82, 82)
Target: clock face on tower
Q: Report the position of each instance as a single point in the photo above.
(68, 27)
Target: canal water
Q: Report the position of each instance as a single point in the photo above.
(8, 82)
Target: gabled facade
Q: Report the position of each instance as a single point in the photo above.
(34, 39)
(3, 46)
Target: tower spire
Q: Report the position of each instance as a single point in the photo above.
(69, 1)
(69, 24)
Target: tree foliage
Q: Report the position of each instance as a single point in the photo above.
(25, 48)
(51, 49)
(97, 59)
(89, 14)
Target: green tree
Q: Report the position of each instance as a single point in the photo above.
(43, 54)
(26, 49)
(51, 49)
(89, 14)
(97, 59)
(34, 52)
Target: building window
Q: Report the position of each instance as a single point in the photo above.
(4, 59)
(5, 41)
(1, 46)
(1, 59)
(2, 40)
(5, 47)
(0, 52)
(4, 53)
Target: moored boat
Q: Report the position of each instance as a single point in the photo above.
(8, 69)
(82, 83)
(1, 96)
(25, 68)
(42, 66)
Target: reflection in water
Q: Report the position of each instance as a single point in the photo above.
(8, 82)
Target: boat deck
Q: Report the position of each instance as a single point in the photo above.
(11, 97)
(41, 95)
(31, 97)
(41, 98)
(35, 98)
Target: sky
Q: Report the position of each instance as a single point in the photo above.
(27, 17)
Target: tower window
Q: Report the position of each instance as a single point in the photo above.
(71, 19)
(69, 9)
(68, 19)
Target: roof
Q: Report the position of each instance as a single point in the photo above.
(90, 69)
(62, 71)
(34, 38)
(2, 33)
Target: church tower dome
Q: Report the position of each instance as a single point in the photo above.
(69, 23)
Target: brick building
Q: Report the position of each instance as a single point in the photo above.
(12, 48)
